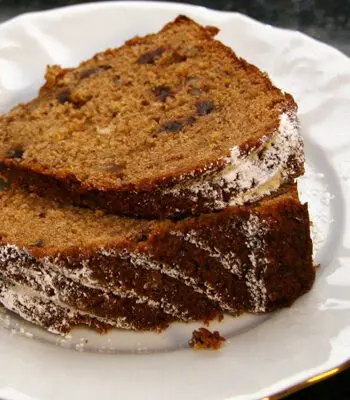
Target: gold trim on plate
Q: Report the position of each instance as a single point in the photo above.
(309, 382)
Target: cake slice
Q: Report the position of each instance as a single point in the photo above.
(169, 124)
(254, 258)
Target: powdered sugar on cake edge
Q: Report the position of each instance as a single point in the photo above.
(253, 230)
(37, 308)
(249, 177)
(44, 272)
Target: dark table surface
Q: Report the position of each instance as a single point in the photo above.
(326, 20)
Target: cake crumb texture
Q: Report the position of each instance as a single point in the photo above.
(205, 339)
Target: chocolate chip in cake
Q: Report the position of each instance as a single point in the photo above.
(16, 153)
(172, 126)
(38, 243)
(150, 56)
(204, 107)
(162, 92)
(64, 96)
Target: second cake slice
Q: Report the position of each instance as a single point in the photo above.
(61, 265)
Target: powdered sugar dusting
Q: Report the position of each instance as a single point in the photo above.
(314, 189)
(255, 230)
(228, 259)
(45, 273)
(37, 308)
(59, 288)
(256, 170)
(249, 177)
(84, 276)
(11, 254)
(174, 271)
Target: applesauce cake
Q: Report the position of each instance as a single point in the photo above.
(167, 125)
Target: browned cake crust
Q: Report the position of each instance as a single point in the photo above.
(110, 309)
(167, 125)
(118, 271)
(57, 319)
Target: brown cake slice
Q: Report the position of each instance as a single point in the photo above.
(253, 258)
(166, 125)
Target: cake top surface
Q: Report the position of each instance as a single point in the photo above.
(153, 110)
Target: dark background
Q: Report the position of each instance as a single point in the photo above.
(325, 20)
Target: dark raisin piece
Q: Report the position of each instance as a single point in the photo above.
(16, 153)
(50, 292)
(38, 243)
(145, 103)
(261, 154)
(162, 92)
(150, 56)
(88, 72)
(2, 167)
(172, 126)
(64, 96)
(177, 58)
(204, 107)
(175, 157)
(92, 71)
(42, 215)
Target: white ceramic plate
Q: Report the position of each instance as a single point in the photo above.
(263, 355)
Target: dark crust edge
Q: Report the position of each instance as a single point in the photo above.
(53, 317)
(133, 203)
(146, 199)
(89, 300)
(289, 274)
(112, 273)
